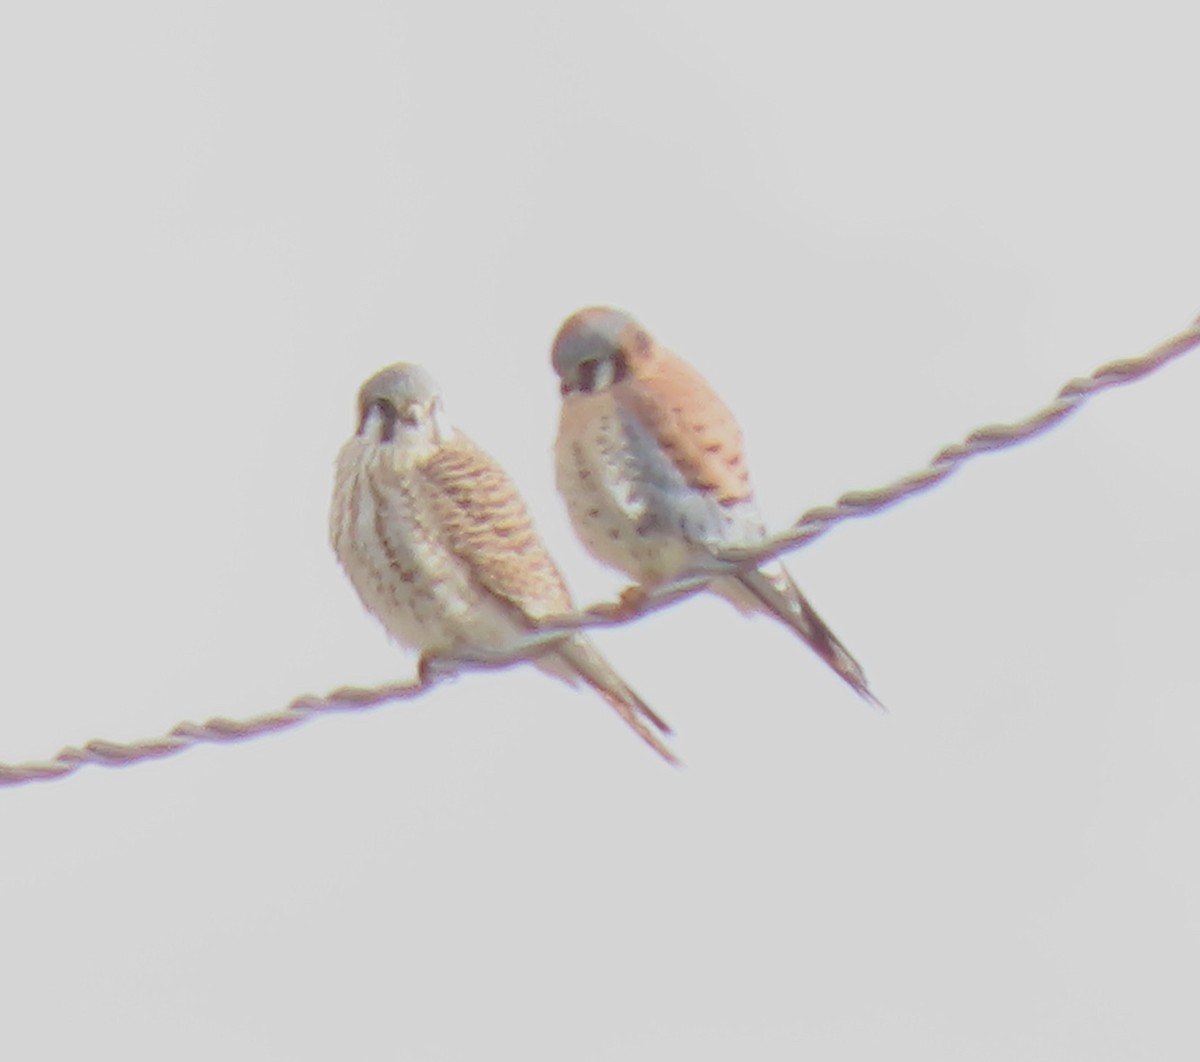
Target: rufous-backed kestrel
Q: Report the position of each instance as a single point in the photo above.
(650, 463)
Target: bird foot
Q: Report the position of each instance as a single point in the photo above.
(632, 598)
(431, 668)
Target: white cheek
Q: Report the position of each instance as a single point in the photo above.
(605, 374)
(374, 427)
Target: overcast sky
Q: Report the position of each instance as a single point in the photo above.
(874, 227)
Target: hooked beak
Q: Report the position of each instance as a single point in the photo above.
(442, 428)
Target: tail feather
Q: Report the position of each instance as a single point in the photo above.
(773, 589)
(580, 659)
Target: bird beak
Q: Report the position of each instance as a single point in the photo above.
(442, 428)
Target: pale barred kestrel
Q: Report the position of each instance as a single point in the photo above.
(441, 548)
(650, 464)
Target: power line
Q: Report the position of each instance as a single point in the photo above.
(811, 525)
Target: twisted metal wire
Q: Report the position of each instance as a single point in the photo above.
(634, 604)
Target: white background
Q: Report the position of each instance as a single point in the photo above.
(874, 227)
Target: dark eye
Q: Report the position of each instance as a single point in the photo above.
(387, 413)
(620, 367)
(587, 376)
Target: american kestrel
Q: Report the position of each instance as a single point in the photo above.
(650, 463)
(441, 548)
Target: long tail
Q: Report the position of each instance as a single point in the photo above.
(773, 589)
(580, 659)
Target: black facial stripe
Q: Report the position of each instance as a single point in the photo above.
(390, 416)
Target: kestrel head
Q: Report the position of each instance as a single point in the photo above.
(596, 348)
(401, 406)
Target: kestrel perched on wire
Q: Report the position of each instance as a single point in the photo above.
(441, 548)
(651, 465)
